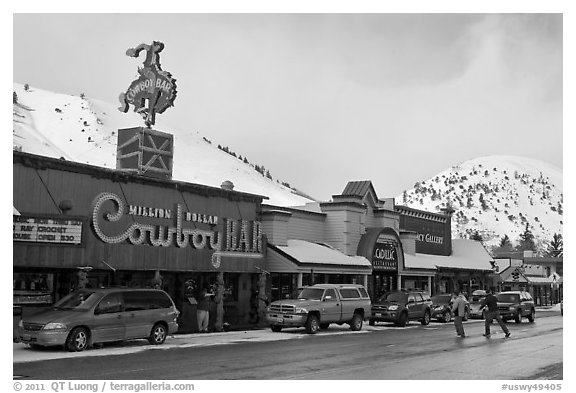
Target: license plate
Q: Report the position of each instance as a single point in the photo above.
(378, 314)
(26, 337)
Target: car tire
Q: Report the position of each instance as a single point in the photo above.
(371, 322)
(324, 326)
(276, 328)
(426, 319)
(402, 319)
(312, 324)
(532, 316)
(158, 334)
(356, 322)
(77, 340)
(518, 317)
(447, 316)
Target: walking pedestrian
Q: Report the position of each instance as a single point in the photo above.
(491, 302)
(458, 310)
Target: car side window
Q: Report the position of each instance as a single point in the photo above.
(349, 293)
(134, 301)
(418, 297)
(330, 295)
(159, 300)
(110, 304)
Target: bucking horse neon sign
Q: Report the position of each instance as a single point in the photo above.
(153, 85)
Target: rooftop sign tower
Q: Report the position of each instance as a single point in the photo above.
(143, 150)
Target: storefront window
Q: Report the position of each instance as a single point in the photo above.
(33, 288)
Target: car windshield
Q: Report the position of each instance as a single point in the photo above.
(311, 294)
(441, 299)
(80, 300)
(508, 297)
(397, 297)
(476, 299)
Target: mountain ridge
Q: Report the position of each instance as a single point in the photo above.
(495, 196)
(81, 129)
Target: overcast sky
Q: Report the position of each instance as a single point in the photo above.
(322, 99)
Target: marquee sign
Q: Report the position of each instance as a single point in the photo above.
(385, 257)
(47, 230)
(153, 85)
(239, 238)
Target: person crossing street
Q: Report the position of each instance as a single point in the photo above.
(491, 302)
(458, 310)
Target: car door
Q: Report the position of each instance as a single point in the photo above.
(331, 306)
(412, 307)
(419, 308)
(138, 313)
(108, 322)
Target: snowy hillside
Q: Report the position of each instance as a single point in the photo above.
(85, 130)
(496, 196)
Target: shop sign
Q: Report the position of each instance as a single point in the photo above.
(239, 238)
(47, 230)
(385, 257)
(428, 238)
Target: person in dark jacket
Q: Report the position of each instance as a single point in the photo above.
(491, 302)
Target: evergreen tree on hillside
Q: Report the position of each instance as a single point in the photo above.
(505, 242)
(477, 236)
(555, 246)
(526, 241)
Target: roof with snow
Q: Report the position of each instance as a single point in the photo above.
(300, 255)
(466, 255)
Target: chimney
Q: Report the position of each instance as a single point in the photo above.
(227, 185)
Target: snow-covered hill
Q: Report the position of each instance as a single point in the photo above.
(496, 196)
(84, 130)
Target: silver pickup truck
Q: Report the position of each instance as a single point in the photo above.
(319, 305)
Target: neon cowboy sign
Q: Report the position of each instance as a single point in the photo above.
(241, 238)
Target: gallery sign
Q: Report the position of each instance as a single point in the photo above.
(385, 257)
(49, 230)
(237, 238)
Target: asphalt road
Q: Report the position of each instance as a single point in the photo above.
(433, 352)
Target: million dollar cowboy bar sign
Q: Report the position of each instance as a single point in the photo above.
(114, 222)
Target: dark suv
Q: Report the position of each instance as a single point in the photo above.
(516, 305)
(400, 307)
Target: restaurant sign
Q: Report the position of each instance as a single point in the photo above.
(385, 257)
(47, 230)
(237, 238)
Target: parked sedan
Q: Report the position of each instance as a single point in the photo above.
(475, 301)
(442, 308)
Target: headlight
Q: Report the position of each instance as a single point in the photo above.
(54, 326)
(301, 310)
(393, 308)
